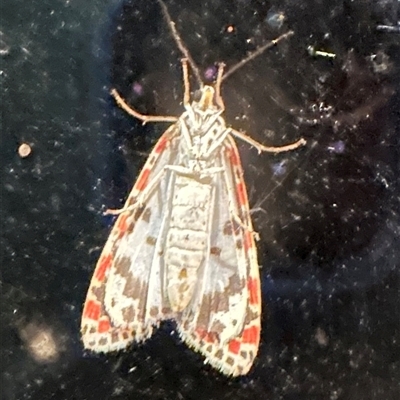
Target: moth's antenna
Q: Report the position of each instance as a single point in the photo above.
(180, 43)
(255, 54)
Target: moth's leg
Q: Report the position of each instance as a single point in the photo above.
(260, 147)
(237, 219)
(141, 197)
(145, 118)
(218, 97)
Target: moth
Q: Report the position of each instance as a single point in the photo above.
(183, 246)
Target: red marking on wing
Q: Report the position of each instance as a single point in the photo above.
(104, 325)
(253, 288)
(240, 189)
(208, 337)
(248, 240)
(251, 335)
(234, 157)
(234, 346)
(142, 181)
(161, 144)
(92, 310)
(104, 266)
(121, 224)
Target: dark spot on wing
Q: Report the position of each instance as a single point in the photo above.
(220, 302)
(227, 230)
(204, 312)
(123, 266)
(219, 354)
(115, 337)
(138, 212)
(130, 226)
(250, 316)
(125, 334)
(236, 285)
(216, 251)
(230, 361)
(134, 288)
(131, 200)
(217, 327)
(128, 313)
(146, 215)
(99, 293)
(166, 310)
(211, 304)
(154, 311)
(151, 240)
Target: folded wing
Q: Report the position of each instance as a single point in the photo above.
(124, 299)
(223, 320)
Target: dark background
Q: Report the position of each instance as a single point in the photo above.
(328, 214)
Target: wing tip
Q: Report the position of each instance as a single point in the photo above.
(112, 339)
(219, 357)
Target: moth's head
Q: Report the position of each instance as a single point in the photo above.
(204, 100)
(204, 109)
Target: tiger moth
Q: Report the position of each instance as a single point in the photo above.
(183, 246)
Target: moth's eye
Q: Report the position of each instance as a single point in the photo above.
(196, 95)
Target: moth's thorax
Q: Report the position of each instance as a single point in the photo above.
(203, 130)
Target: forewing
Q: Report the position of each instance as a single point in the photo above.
(124, 297)
(223, 321)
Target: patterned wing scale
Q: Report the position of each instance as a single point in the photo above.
(125, 298)
(117, 309)
(223, 321)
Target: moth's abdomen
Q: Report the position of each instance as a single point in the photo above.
(187, 239)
